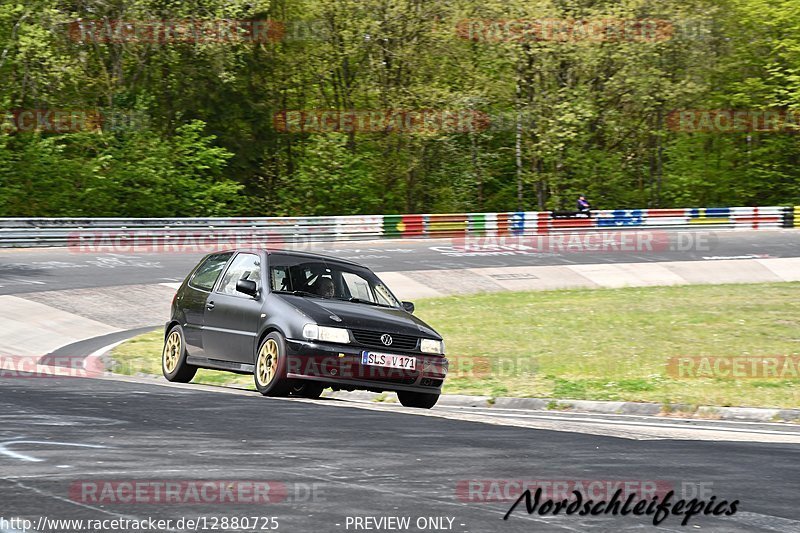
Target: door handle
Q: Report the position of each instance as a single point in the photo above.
(210, 306)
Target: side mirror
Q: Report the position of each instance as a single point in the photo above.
(248, 287)
(408, 306)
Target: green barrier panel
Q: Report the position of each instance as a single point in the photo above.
(390, 225)
(477, 223)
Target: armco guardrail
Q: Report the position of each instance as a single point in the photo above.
(27, 232)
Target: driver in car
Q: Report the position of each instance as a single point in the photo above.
(325, 287)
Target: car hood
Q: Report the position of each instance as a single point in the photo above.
(361, 316)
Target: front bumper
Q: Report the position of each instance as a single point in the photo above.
(340, 366)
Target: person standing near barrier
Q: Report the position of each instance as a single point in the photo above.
(584, 207)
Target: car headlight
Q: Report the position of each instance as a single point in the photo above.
(431, 346)
(326, 334)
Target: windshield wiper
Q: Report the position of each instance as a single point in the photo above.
(362, 301)
(298, 293)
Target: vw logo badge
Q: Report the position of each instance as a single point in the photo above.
(386, 339)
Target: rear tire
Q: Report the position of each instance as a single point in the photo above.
(173, 358)
(307, 389)
(270, 368)
(420, 400)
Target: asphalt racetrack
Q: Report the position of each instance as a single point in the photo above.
(325, 461)
(47, 269)
(138, 448)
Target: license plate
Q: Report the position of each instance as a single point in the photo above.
(387, 360)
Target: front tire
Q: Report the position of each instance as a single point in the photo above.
(173, 358)
(270, 367)
(307, 389)
(421, 400)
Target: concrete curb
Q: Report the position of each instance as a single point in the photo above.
(707, 412)
(416, 284)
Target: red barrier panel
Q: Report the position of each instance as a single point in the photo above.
(570, 223)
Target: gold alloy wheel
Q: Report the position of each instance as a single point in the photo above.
(267, 362)
(172, 351)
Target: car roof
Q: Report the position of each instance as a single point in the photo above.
(293, 253)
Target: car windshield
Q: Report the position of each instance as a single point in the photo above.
(327, 279)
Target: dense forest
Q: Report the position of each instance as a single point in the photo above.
(315, 107)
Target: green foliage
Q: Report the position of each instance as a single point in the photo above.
(329, 180)
(140, 174)
(593, 116)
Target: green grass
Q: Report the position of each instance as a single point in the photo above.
(615, 344)
(142, 356)
(609, 344)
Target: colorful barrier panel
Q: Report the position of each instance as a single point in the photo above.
(450, 225)
(348, 227)
(711, 215)
(67, 231)
(403, 225)
(758, 217)
(621, 218)
(477, 223)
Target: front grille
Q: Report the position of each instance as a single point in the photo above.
(373, 338)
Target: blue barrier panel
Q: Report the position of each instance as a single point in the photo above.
(517, 223)
(721, 212)
(622, 217)
(710, 212)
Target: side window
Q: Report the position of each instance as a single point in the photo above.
(206, 275)
(244, 266)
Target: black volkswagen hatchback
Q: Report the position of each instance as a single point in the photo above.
(300, 323)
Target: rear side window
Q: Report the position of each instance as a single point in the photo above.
(208, 272)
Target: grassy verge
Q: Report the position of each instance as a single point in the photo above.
(595, 344)
(142, 356)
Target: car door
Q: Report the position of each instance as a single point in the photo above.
(193, 300)
(231, 317)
